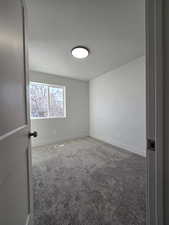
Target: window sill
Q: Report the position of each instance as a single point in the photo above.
(46, 118)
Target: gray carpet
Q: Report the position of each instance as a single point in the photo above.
(87, 182)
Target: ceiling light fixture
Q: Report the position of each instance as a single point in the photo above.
(80, 52)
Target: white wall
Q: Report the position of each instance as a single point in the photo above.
(117, 107)
(76, 124)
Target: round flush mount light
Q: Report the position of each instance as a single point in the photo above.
(80, 52)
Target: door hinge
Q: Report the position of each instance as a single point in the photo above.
(151, 145)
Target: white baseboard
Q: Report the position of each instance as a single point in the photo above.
(60, 141)
(129, 148)
(138, 151)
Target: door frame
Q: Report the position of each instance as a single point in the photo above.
(26, 72)
(154, 73)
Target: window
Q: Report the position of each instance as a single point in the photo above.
(47, 101)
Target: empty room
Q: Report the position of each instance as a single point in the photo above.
(77, 113)
(87, 105)
(84, 112)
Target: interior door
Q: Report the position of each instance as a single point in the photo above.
(15, 160)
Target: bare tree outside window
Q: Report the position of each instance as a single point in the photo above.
(56, 101)
(47, 101)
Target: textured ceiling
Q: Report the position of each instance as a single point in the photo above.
(113, 30)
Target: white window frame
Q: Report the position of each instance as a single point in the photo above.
(64, 101)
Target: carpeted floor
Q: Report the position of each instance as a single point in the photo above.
(87, 182)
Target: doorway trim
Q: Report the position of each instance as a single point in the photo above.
(26, 72)
(154, 83)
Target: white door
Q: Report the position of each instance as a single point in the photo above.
(15, 159)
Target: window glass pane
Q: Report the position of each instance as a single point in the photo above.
(39, 100)
(56, 95)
